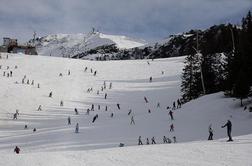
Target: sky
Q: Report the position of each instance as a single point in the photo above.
(145, 19)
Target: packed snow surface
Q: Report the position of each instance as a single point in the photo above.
(56, 143)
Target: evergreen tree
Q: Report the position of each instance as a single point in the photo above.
(191, 82)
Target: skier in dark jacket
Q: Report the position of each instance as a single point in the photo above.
(17, 150)
(140, 141)
(229, 129)
(94, 118)
(118, 106)
(145, 99)
(210, 130)
(153, 140)
(171, 115)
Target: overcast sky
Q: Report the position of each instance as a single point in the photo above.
(146, 19)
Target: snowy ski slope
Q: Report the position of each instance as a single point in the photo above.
(130, 84)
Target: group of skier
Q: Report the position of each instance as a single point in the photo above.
(165, 140)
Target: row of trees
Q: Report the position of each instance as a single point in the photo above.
(224, 62)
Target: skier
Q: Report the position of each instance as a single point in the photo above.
(150, 79)
(15, 116)
(104, 84)
(169, 140)
(140, 141)
(145, 99)
(32, 83)
(69, 72)
(77, 128)
(147, 141)
(171, 128)
(25, 127)
(94, 118)
(229, 129)
(106, 108)
(210, 130)
(34, 129)
(17, 150)
(88, 110)
(118, 106)
(158, 105)
(50, 94)
(174, 139)
(28, 82)
(69, 120)
(162, 72)
(132, 120)
(110, 85)
(92, 107)
(149, 111)
(129, 112)
(165, 139)
(97, 92)
(153, 140)
(61, 103)
(178, 104)
(105, 96)
(171, 115)
(38, 86)
(99, 107)
(39, 108)
(112, 115)
(11, 73)
(76, 111)
(85, 69)
(174, 105)
(95, 73)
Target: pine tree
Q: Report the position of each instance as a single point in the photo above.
(191, 82)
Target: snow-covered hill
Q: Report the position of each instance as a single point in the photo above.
(56, 142)
(71, 44)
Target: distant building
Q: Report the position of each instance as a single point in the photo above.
(11, 46)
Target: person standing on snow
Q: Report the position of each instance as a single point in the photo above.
(229, 129)
(69, 120)
(140, 141)
(77, 128)
(153, 140)
(210, 130)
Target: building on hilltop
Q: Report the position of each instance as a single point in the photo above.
(12, 46)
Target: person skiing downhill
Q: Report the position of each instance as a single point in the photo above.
(94, 118)
(132, 120)
(171, 128)
(118, 106)
(77, 128)
(17, 150)
(145, 99)
(229, 129)
(171, 115)
(69, 120)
